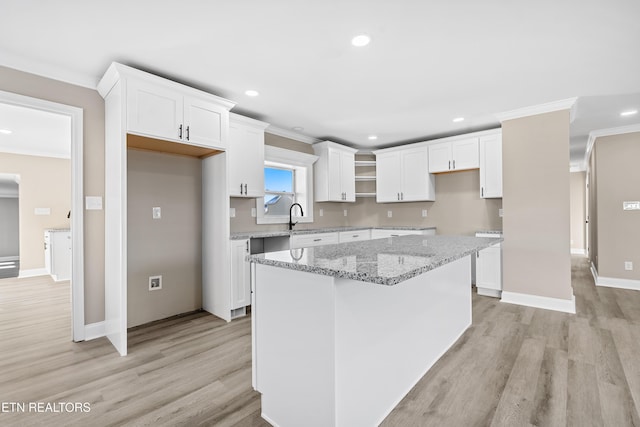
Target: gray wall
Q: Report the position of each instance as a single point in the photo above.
(536, 250)
(9, 223)
(170, 246)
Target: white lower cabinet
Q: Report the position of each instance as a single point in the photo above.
(315, 239)
(354, 236)
(377, 233)
(489, 271)
(57, 254)
(240, 275)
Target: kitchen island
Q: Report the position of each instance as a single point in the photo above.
(342, 332)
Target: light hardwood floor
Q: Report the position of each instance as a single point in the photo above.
(515, 366)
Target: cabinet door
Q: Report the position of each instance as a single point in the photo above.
(245, 159)
(440, 157)
(388, 181)
(491, 166)
(154, 111)
(348, 176)
(240, 274)
(489, 269)
(417, 183)
(205, 123)
(465, 154)
(335, 181)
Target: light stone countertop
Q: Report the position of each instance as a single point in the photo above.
(262, 234)
(387, 261)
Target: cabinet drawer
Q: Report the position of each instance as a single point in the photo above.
(354, 236)
(381, 234)
(308, 240)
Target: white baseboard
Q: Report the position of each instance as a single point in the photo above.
(33, 272)
(547, 303)
(613, 282)
(575, 251)
(94, 330)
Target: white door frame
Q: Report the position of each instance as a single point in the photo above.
(77, 212)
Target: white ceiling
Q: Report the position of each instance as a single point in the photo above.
(428, 61)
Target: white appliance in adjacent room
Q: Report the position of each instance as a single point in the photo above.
(489, 268)
(57, 253)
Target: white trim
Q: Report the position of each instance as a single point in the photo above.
(94, 330)
(556, 304)
(41, 68)
(34, 272)
(564, 104)
(282, 155)
(247, 121)
(428, 142)
(290, 134)
(595, 134)
(613, 282)
(578, 251)
(77, 213)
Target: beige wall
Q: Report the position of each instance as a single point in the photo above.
(592, 233)
(536, 249)
(9, 223)
(578, 210)
(93, 160)
(170, 246)
(458, 208)
(618, 180)
(44, 183)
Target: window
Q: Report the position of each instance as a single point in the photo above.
(288, 179)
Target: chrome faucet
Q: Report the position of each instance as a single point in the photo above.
(291, 223)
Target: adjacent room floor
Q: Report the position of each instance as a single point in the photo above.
(515, 366)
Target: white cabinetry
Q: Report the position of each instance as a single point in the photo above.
(334, 173)
(354, 236)
(164, 110)
(380, 233)
(245, 156)
(402, 176)
(240, 275)
(454, 155)
(57, 254)
(489, 269)
(315, 239)
(491, 166)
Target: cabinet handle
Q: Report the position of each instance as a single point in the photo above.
(240, 188)
(188, 136)
(180, 132)
(245, 190)
(355, 235)
(317, 240)
(401, 196)
(449, 164)
(247, 246)
(454, 162)
(481, 191)
(398, 194)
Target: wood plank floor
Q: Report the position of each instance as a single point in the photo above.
(515, 366)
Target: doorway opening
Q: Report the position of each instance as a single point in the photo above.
(9, 226)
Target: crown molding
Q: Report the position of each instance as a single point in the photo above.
(564, 104)
(247, 121)
(595, 134)
(42, 69)
(296, 136)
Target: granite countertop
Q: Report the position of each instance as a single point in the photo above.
(497, 232)
(383, 261)
(262, 234)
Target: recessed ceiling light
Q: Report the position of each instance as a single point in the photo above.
(458, 119)
(629, 113)
(360, 40)
(251, 92)
(5, 131)
(297, 128)
(372, 137)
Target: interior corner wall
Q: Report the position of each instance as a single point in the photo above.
(536, 250)
(618, 180)
(92, 106)
(170, 246)
(45, 182)
(592, 177)
(578, 211)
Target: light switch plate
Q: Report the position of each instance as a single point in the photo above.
(389, 214)
(631, 206)
(232, 212)
(500, 212)
(424, 213)
(93, 203)
(156, 212)
(345, 212)
(42, 211)
(628, 265)
(253, 212)
(321, 212)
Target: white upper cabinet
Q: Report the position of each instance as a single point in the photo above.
(491, 166)
(162, 109)
(402, 175)
(459, 154)
(245, 156)
(334, 173)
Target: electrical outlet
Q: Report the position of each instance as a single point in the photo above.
(389, 214)
(500, 212)
(628, 265)
(156, 213)
(424, 213)
(253, 212)
(155, 283)
(321, 212)
(232, 212)
(345, 212)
